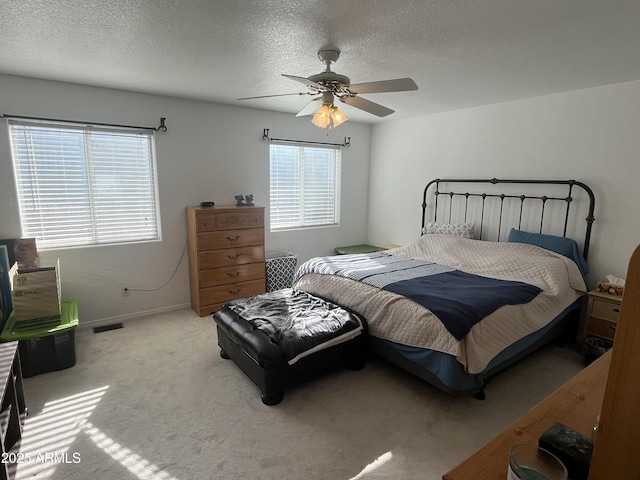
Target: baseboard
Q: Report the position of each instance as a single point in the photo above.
(130, 316)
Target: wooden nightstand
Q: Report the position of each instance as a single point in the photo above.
(602, 315)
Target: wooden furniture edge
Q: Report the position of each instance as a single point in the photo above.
(575, 404)
(615, 453)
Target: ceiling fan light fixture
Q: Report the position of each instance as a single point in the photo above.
(322, 117)
(337, 116)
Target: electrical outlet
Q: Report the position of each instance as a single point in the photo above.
(125, 291)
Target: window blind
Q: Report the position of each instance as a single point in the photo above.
(83, 185)
(304, 186)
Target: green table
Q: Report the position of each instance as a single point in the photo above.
(357, 249)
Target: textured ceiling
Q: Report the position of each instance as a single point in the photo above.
(461, 53)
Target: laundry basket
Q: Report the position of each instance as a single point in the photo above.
(281, 266)
(594, 348)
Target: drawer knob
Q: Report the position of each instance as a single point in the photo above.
(616, 310)
(233, 292)
(233, 239)
(206, 224)
(613, 328)
(234, 257)
(233, 274)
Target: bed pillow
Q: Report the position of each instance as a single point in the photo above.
(562, 245)
(464, 230)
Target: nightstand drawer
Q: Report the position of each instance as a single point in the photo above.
(605, 310)
(602, 328)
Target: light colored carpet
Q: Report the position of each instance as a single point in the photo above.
(154, 400)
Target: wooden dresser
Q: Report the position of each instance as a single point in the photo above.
(226, 255)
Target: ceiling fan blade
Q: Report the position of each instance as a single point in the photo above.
(367, 106)
(309, 108)
(397, 85)
(304, 80)
(278, 95)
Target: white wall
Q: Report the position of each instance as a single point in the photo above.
(210, 152)
(590, 135)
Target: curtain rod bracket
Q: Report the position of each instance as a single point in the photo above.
(162, 127)
(265, 136)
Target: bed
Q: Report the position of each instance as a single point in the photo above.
(472, 231)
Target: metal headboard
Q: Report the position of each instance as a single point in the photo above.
(444, 187)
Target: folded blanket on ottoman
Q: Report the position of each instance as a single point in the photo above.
(299, 323)
(284, 337)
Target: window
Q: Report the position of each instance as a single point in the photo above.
(84, 185)
(305, 186)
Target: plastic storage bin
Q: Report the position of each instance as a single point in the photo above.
(281, 266)
(46, 349)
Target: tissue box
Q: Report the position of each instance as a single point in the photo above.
(606, 287)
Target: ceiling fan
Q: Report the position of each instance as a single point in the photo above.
(328, 85)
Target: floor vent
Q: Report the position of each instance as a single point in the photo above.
(106, 328)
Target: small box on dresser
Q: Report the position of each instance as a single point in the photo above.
(226, 255)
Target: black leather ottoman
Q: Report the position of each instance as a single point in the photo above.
(286, 337)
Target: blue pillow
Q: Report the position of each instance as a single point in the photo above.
(562, 245)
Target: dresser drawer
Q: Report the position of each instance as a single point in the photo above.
(230, 239)
(605, 310)
(256, 219)
(602, 328)
(232, 220)
(233, 274)
(225, 293)
(230, 256)
(206, 222)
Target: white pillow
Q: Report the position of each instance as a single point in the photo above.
(464, 230)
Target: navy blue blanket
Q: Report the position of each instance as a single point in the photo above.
(458, 299)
